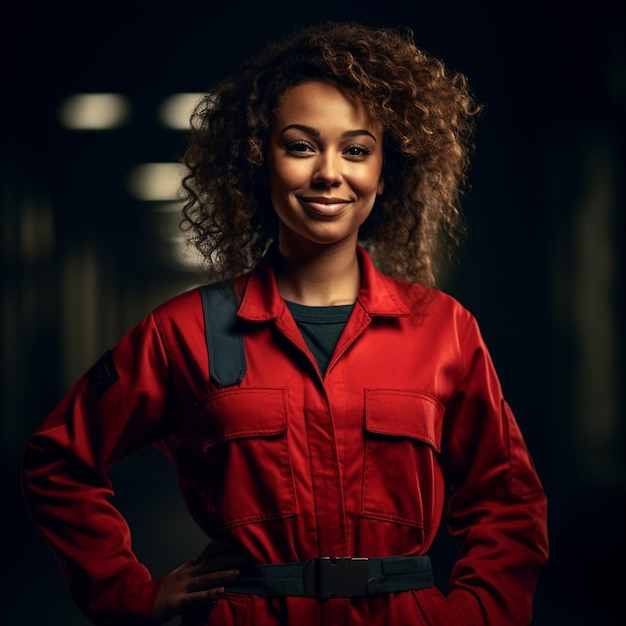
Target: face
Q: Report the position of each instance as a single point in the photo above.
(325, 165)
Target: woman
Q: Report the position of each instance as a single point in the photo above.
(324, 425)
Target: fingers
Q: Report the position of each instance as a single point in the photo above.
(198, 581)
(187, 587)
(205, 589)
(213, 580)
(216, 564)
(199, 600)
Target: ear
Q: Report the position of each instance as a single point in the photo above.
(381, 186)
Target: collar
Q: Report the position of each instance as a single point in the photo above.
(261, 300)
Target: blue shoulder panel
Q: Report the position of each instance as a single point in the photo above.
(227, 359)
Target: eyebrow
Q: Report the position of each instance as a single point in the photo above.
(309, 130)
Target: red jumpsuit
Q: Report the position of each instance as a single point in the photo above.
(291, 466)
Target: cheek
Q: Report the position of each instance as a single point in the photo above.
(283, 183)
(286, 175)
(367, 180)
(368, 184)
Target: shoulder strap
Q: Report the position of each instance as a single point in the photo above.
(227, 359)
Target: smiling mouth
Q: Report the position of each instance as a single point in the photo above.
(323, 206)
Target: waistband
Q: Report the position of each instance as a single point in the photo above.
(335, 577)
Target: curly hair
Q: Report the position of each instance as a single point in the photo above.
(427, 114)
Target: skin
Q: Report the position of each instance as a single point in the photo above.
(196, 583)
(325, 171)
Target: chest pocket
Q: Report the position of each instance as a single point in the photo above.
(246, 447)
(402, 479)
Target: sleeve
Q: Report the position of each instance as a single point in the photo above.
(497, 508)
(117, 407)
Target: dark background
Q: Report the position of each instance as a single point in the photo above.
(542, 267)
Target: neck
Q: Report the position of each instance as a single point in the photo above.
(323, 276)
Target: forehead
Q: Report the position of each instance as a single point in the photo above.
(322, 102)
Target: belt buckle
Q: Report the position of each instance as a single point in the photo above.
(336, 577)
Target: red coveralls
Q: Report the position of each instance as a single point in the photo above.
(291, 466)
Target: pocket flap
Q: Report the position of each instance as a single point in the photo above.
(240, 413)
(402, 413)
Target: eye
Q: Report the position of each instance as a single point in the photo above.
(357, 151)
(299, 147)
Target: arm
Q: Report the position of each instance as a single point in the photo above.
(498, 507)
(112, 411)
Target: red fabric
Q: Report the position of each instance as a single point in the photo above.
(291, 467)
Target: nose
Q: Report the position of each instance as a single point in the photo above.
(327, 171)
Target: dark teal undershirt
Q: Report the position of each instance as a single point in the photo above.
(321, 326)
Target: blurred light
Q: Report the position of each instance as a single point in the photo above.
(36, 231)
(176, 110)
(156, 181)
(94, 111)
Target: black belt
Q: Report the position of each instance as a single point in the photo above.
(331, 577)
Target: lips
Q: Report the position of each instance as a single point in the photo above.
(323, 206)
